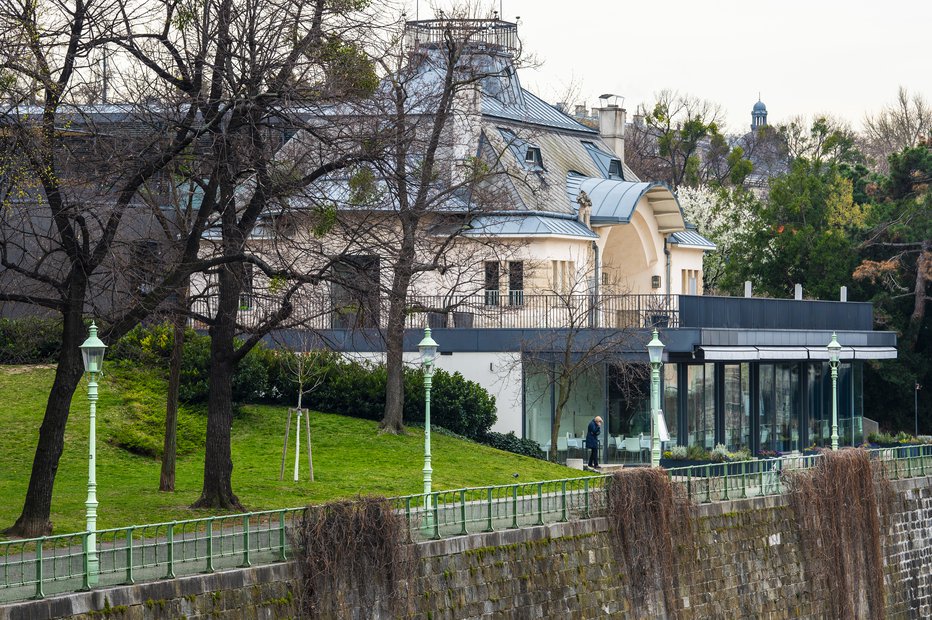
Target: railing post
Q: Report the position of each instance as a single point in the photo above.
(489, 526)
(171, 551)
(540, 503)
(210, 546)
(86, 561)
(39, 592)
(563, 500)
(463, 511)
(281, 537)
(436, 513)
(744, 479)
(514, 506)
(129, 557)
(708, 483)
(245, 563)
(586, 495)
(408, 515)
(725, 493)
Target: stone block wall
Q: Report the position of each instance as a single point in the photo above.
(747, 562)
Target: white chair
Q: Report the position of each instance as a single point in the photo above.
(619, 444)
(562, 444)
(632, 445)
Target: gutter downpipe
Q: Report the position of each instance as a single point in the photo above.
(666, 251)
(595, 284)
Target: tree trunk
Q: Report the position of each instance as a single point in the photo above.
(564, 385)
(217, 491)
(170, 446)
(34, 518)
(392, 420)
(919, 291)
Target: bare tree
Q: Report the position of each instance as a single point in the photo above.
(902, 124)
(424, 193)
(595, 330)
(72, 179)
(668, 138)
(307, 366)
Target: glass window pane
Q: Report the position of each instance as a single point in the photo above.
(768, 439)
(670, 400)
(737, 406)
(700, 405)
(538, 405)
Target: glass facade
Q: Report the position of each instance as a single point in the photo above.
(737, 405)
(782, 406)
(700, 405)
(671, 405)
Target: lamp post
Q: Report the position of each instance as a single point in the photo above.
(655, 352)
(834, 352)
(92, 353)
(428, 349)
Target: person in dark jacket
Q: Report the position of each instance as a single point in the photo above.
(592, 441)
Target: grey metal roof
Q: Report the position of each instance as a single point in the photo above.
(613, 201)
(534, 224)
(535, 111)
(601, 158)
(691, 238)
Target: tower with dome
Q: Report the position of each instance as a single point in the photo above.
(758, 115)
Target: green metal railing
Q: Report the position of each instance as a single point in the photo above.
(716, 482)
(39, 567)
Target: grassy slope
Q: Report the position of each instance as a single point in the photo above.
(350, 456)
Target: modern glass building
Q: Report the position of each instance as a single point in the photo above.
(781, 405)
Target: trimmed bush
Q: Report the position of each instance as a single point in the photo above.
(512, 443)
(30, 340)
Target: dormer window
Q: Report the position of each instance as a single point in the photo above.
(614, 169)
(532, 157)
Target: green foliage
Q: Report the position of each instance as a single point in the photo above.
(152, 345)
(798, 236)
(350, 456)
(30, 340)
(349, 68)
(362, 187)
(141, 426)
(510, 442)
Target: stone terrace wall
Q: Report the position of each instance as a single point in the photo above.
(749, 564)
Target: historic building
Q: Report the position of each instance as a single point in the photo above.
(580, 261)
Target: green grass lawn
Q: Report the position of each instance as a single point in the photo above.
(350, 456)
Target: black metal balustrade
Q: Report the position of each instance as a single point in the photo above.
(482, 310)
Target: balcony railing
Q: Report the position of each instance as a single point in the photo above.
(482, 310)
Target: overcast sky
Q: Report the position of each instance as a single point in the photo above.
(803, 56)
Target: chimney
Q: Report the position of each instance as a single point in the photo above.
(580, 111)
(612, 129)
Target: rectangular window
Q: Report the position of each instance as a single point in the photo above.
(737, 406)
(564, 273)
(516, 283)
(614, 169)
(700, 405)
(532, 157)
(691, 279)
(492, 274)
(670, 400)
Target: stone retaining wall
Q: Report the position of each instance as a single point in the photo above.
(748, 563)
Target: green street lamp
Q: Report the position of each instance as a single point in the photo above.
(834, 353)
(92, 353)
(428, 349)
(655, 352)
